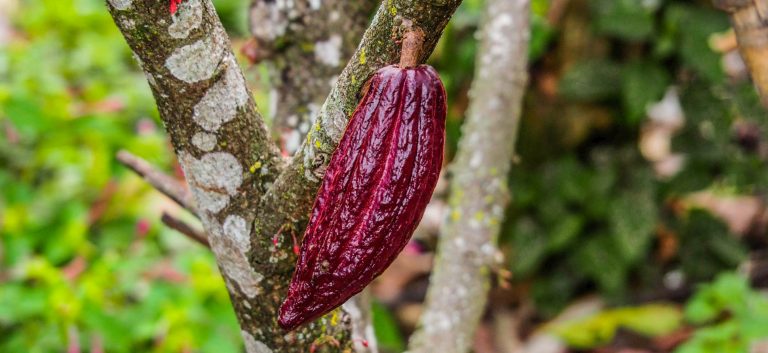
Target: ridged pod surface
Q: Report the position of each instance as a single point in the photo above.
(377, 185)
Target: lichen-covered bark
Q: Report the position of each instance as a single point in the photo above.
(306, 43)
(750, 22)
(225, 151)
(253, 213)
(467, 248)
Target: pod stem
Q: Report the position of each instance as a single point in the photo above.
(413, 39)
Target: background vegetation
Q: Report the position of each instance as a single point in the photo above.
(614, 195)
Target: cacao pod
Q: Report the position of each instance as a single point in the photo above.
(377, 185)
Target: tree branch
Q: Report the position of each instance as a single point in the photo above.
(229, 161)
(184, 228)
(750, 22)
(163, 183)
(305, 43)
(467, 249)
(220, 138)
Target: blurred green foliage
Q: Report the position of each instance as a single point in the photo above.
(83, 260)
(588, 210)
(734, 317)
(600, 328)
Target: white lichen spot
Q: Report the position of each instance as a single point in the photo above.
(231, 256)
(197, 61)
(129, 23)
(246, 304)
(121, 4)
(254, 346)
(315, 4)
(204, 141)
(211, 201)
(187, 18)
(237, 229)
(219, 170)
(223, 99)
(328, 52)
(213, 178)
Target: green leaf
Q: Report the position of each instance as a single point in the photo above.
(642, 83)
(627, 19)
(388, 334)
(693, 26)
(706, 246)
(633, 218)
(529, 247)
(598, 329)
(605, 264)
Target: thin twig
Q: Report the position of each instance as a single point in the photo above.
(184, 228)
(162, 182)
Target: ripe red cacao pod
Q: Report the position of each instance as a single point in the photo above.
(377, 185)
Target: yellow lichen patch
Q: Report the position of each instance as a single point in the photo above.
(455, 215)
(362, 57)
(318, 144)
(335, 318)
(479, 215)
(256, 166)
